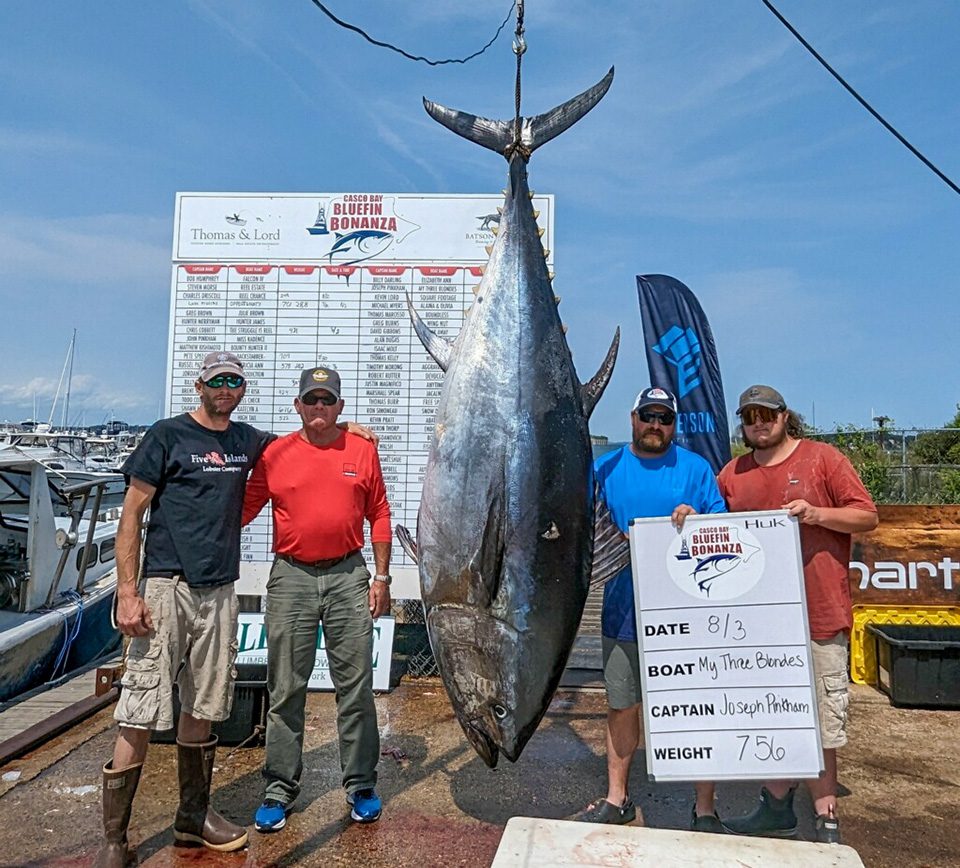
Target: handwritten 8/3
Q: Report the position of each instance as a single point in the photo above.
(727, 626)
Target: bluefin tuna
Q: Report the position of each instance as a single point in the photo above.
(505, 532)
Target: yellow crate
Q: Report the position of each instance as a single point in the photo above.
(863, 652)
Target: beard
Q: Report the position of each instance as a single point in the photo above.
(216, 408)
(652, 442)
(766, 441)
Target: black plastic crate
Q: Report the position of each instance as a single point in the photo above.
(249, 711)
(918, 665)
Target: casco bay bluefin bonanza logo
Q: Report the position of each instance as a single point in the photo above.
(715, 561)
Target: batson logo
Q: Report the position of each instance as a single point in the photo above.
(681, 348)
(715, 562)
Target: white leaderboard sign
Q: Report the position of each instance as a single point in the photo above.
(725, 658)
(292, 281)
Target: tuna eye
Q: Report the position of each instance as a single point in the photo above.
(500, 712)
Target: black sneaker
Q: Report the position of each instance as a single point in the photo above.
(772, 818)
(828, 829)
(602, 811)
(706, 823)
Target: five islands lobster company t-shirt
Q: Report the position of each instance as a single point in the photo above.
(200, 476)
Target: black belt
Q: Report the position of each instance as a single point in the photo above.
(162, 574)
(322, 564)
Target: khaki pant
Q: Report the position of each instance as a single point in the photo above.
(193, 643)
(830, 658)
(299, 599)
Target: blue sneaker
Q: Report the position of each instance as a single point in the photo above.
(366, 805)
(271, 816)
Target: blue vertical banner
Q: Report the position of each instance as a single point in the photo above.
(682, 356)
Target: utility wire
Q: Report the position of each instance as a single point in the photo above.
(379, 44)
(861, 100)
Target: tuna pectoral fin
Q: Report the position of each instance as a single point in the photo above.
(438, 347)
(590, 392)
(407, 542)
(611, 552)
(487, 562)
(498, 135)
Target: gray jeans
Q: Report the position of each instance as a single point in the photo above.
(299, 599)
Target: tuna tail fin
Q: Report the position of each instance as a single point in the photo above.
(438, 347)
(590, 392)
(499, 136)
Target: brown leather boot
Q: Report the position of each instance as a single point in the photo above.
(197, 822)
(119, 788)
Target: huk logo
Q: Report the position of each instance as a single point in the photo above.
(716, 562)
(681, 348)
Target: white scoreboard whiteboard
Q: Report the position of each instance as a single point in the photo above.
(725, 660)
(289, 281)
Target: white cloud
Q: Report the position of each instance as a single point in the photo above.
(105, 249)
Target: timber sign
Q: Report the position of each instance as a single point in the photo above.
(725, 660)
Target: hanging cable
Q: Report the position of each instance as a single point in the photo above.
(380, 44)
(861, 100)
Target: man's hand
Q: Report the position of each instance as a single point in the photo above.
(379, 599)
(805, 513)
(360, 431)
(133, 616)
(679, 515)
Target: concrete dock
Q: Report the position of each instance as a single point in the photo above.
(442, 806)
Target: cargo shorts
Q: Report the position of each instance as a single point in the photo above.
(621, 673)
(193, 644)
(830, 658)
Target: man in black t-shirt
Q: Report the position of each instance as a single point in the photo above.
(191, 472)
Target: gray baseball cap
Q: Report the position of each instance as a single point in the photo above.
(320, 378)
(762, 396)
(220, 362)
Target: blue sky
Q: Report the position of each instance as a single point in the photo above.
(824, 254)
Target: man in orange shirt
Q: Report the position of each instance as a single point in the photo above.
(819, 486)
(323, 482)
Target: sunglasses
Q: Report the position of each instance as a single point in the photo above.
(325, 398)
(755, 415)
(231, 381)
(666, 418)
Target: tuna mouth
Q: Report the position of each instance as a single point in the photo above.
(482, 743)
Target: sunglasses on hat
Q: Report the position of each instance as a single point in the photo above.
(231, 381)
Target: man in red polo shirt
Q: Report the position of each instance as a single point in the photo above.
(323, 482)
(819, 486)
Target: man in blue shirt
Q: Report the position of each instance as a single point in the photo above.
(649, 477)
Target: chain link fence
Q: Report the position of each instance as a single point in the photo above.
(906, 465)
(411, 640)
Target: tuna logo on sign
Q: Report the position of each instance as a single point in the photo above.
(717, 562)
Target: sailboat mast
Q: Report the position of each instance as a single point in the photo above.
(66, 405)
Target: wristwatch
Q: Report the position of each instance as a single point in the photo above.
(387, 579)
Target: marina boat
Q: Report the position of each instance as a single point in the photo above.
(70, 459)
(57, 573)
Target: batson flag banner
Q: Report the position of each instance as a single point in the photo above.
(682, 356)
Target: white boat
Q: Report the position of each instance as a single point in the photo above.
(68, 459)
(57, 574)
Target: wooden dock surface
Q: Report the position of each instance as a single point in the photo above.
(36, 709)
